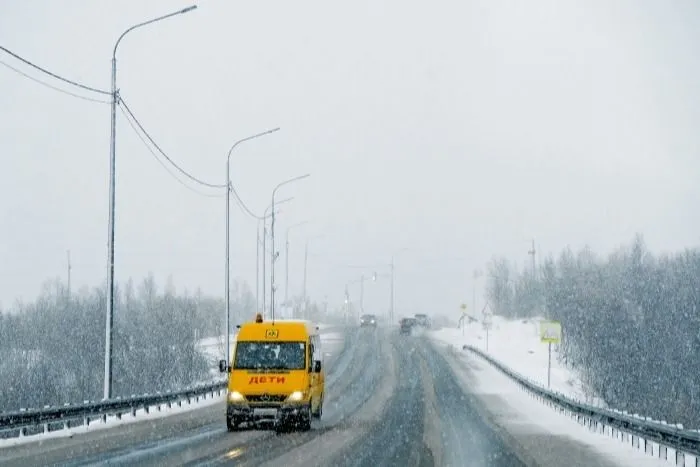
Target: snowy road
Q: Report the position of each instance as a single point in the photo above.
(391, 400)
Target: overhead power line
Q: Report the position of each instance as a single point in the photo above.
(243, 206)
(54, 75)
(155, 156)
(123, 104)
(43, 83)
(130, 117)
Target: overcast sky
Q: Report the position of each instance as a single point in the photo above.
(457, 129)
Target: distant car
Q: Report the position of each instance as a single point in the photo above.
(406, 325)
(368, 320)
(423, 320)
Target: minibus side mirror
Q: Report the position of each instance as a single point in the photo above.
(317, 366)
(223, 367)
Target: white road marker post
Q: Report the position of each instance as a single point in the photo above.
(488, 323)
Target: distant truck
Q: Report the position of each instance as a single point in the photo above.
(423, 320)
(406, 325)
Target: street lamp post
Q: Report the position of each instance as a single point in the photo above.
(391, 311)
(264, 256)
(227, 296)
(272, 237)
(303, 293)
(112, 197)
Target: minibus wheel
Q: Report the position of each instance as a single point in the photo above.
(319, 412)
(305, 420)
(232, 424)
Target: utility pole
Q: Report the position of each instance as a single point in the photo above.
(69, 268)
(303, 293)
(532, 253)
(257, 269)
(114, 98)
(272, 260)
(264, 263)
(286, 270)
(275, 254)
(227, 278)
(229, 189)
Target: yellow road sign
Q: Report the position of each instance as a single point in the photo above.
(550, 332)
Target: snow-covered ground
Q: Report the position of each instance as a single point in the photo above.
(213, 348)
(516, 345)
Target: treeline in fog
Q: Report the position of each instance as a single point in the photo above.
(631, 323)
(52, 350)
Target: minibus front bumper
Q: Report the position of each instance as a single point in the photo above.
(273, 412)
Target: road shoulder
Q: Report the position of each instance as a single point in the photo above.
(534, 443)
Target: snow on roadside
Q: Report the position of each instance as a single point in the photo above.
(113, 421)
(524, 417)
(516, 344)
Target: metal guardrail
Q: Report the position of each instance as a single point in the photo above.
(13, 424)
(628, 428)
(53, 418)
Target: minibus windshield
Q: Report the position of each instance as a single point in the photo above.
(270, 356)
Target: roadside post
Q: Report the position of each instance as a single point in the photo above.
(550, 333)
(463, 318)
(487, 323)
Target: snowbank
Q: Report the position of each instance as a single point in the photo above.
(531, 422)
(516, 344)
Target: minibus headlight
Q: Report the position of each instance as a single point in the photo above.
(235, 396)
(296, 396)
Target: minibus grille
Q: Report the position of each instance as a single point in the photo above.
(267, 398)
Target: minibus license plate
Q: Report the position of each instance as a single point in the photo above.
(265, 412)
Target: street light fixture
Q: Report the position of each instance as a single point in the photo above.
(272, 235)
(112, 197)
(227, 296)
